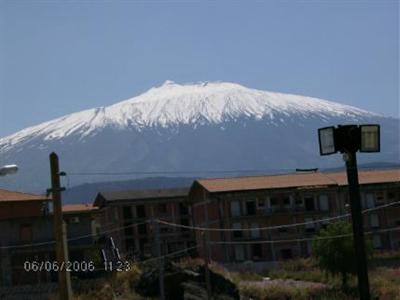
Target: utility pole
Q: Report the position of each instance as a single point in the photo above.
(357, 220)
(161, 260)
(206, 263)
(64, 279)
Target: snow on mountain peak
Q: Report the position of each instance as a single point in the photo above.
(172, 104)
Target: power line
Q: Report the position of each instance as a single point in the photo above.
(179, 172)
(168, 255)
(199, 228)
(72, 239)
(303, 239)
(27, 245)
(277, 226)
(233, 171)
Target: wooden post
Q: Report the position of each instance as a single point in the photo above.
(160, 260)
(64, 281)
(206, 263)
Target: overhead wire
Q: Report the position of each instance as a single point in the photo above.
(201, 228)
(322, 220)
(73, 238)
(233, 171)
(302, 239)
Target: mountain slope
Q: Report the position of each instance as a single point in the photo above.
(193, 127)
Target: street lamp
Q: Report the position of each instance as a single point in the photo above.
(348, 139)
(8, 169)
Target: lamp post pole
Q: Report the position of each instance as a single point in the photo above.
(348, 139)
(357, 220)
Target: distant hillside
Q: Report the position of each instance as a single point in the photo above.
(86, 193)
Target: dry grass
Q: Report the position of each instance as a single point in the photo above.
(384, 281)
(118, 286)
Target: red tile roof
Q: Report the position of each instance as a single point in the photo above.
(368, 177)
(296, 180)
(11, 196)
(78, 208)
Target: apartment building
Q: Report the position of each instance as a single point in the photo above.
(264, 201)
(122, 211)
(23, 221)
(26, 235)
(83, 229)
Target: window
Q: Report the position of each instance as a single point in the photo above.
(287, 202)
(324, 224)
(128, 229)
(309, 201)
(162, 208)
(255, 232)
(97, 230)
(374, 220)
(286, 253)
(130, 245)
(309, 247)
(235, 209)
(250, 208)
(74, 220)
(116, 217)
(142, 228)
(237, 233)
(127, 212)
(369, 200)
(299, 202)
(274, 202)
(377, 242)
(260, 203)
(140, 211)
(239, 252)
(143, 245)
(310, 227)
(380, 198)
(185, 222)
(183, 209)
(164, 229)
(323, 203)
(25, 233)
(391, 195)
(256, 250)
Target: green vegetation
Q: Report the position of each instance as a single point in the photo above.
(336, 255)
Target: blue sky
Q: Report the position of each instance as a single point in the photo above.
(58, 57)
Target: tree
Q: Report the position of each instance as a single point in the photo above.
(335, 255)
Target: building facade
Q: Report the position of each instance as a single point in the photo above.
(23, 221)
(249, 203)
(83, 232)
(26, 236)
(127, 216)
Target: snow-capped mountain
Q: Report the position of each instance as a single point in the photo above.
(192, 127)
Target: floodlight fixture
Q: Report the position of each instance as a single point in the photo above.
(349, 138)
(370, 138)
(326, 137)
